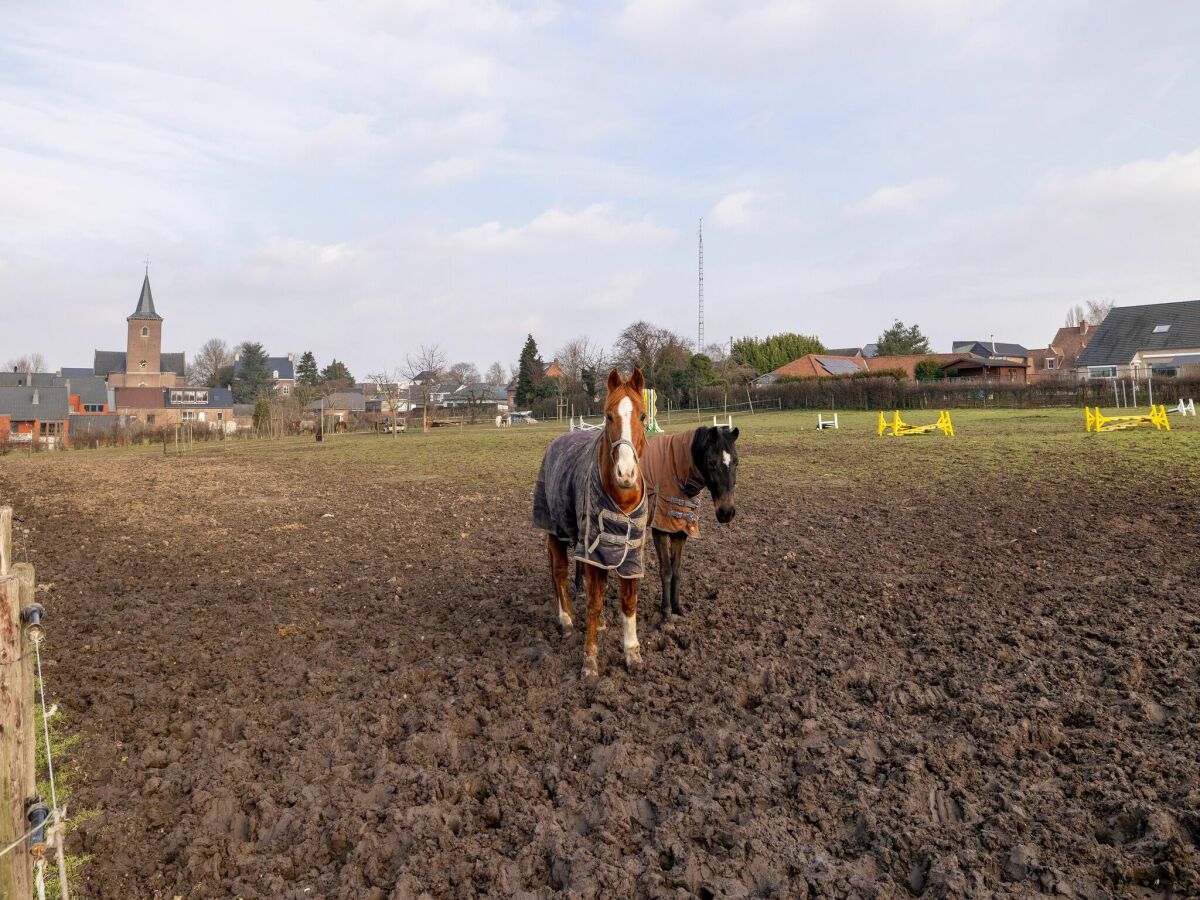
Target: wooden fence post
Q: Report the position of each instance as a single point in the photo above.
(16, 870)
(25, 575)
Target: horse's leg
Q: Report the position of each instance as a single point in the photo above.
(633, 652)
(597, 581)
(557, 551)
(662, 549)
(579, 567)
(677, 542)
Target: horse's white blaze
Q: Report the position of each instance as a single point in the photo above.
(726, 458)
(626, 460)
(631, 640)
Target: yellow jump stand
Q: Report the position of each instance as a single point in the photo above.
(897, 427)
(1096, 421)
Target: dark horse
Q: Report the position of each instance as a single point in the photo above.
(590, 492)
(677, 468)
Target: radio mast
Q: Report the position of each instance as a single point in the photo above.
(700, 321)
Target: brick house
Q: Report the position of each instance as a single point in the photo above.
(282, 369)
(167, 407)
(33, 415)
(1059, 358)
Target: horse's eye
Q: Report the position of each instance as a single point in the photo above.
(608, 417)
(643, 418)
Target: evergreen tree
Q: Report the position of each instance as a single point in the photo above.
(253, 379)
(768, 354)
(529, 373)
(336, 371)
(928, 369)
(306, 370)
(902, 340)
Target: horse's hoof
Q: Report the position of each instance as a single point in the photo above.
(679, 609)
(590, 669)
(633, 658)
(565, 622)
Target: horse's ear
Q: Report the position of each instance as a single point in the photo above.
(733, 435)
(614, 380)
(636, 381)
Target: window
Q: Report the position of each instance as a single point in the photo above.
(182, 397)
(1161, 329)
(150, 419)
(93, 407)
(287, 389)
(1102, 371)
(220, 416)
(1052, 363)
(188, 415)
(145, 331)
(1164, 370)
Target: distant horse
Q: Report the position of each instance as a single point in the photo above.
(677, 468)
(590, 492)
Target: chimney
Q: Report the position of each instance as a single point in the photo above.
(35, 396)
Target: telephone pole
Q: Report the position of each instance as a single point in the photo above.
(700, 322)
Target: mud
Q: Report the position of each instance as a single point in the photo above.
(298, 682)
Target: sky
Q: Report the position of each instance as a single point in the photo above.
(362, 178)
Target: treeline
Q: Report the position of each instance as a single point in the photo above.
(246, 370)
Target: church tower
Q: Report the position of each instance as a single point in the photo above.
(143, 356)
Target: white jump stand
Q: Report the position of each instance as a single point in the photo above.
(1184, 409)
(823, 423)
(728, 423)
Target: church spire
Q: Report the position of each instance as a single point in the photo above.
(145, 307)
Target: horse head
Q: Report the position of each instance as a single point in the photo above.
(714, 452)
(624, 435)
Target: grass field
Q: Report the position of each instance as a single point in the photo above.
(913, 665)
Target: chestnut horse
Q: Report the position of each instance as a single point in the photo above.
(590, 492)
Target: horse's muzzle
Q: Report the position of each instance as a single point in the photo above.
(725, 512)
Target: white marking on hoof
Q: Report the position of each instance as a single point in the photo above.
(565, 620)
(590, 669)
(633, 654)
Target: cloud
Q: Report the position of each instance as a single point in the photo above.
(901, 198)
(739, 210)
(597, 224)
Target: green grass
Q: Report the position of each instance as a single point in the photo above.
(1032, 443)
(62, 742)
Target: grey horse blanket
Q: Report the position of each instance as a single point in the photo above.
(569, 502)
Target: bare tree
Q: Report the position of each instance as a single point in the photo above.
(427, 365)
(30, 362)
(658, 352)
(1097, 310)
(391, 396)
(1093, 313)
(495, 375)
(212, 366)
(464, 373)
(578, 355)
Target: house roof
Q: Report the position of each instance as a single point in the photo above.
(76, 373)
(26, 403)
(109, 361)
(88, 388)
(348, 400)
(140, 398)
(1129, 329)
(478, 392)
(985, 348)
(819, 365)
(145, 307)
(845, 351)
(969, 361)
(870, 350)
(218, 398)
(281, 364)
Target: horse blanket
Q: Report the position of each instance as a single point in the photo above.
(673, 483)
(569, 502)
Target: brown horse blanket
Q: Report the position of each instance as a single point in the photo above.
(673, 482)
(569, 501)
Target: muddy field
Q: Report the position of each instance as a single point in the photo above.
(915, 667)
